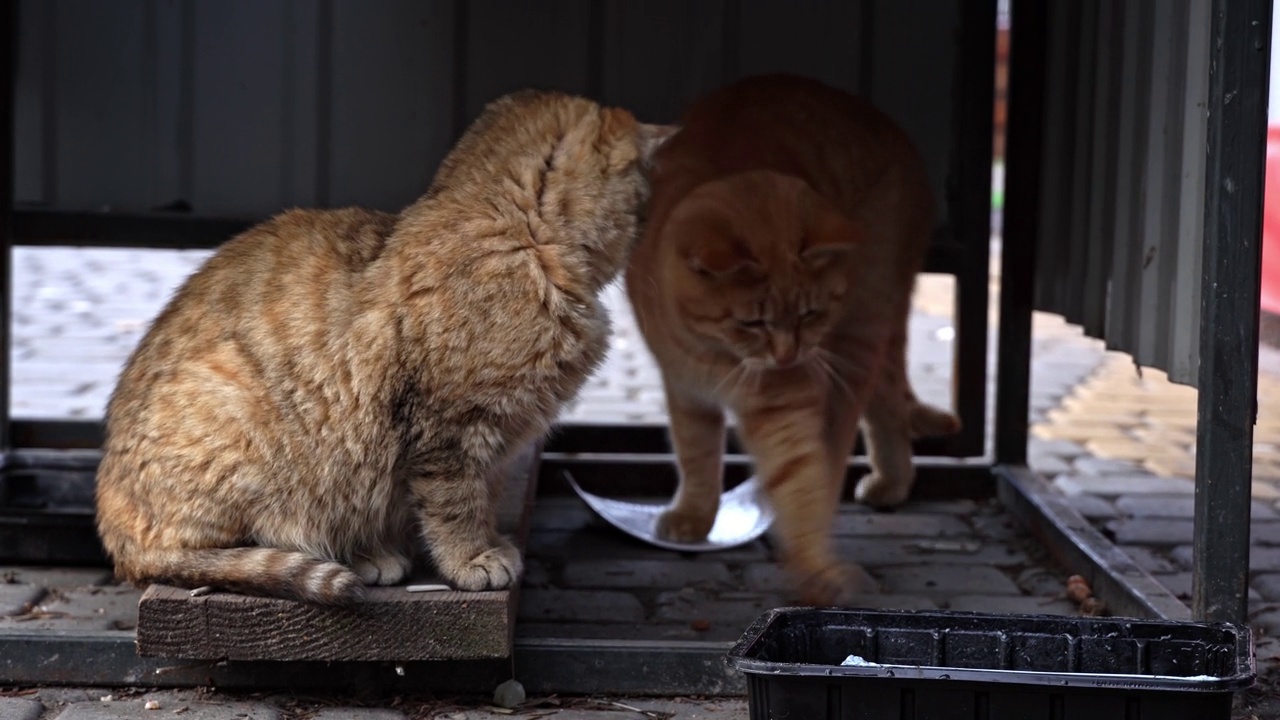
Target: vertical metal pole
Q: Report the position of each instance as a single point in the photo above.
(1239, 65)
(1028, 43)
(969, 199)
(8, 67)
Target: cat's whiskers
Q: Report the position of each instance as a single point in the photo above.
(734, 373)
(839, 381)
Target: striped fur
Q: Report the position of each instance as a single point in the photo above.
(788, 221)
(334, 390)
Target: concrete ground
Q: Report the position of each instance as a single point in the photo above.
(1119, 445)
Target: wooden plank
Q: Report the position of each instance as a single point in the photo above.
(391, 625)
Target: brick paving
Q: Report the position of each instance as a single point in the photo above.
(1118, 445)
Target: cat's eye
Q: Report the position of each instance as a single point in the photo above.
(755, 324)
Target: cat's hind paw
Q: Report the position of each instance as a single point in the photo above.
(684, 527)
(387, 569)
(836, 586)
(878, 491)
(929, 421)
(497, 568)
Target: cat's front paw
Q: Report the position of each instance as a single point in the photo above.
(835, 586)
(497, 568)
(878, 491)
(387, 569)
(680, 526)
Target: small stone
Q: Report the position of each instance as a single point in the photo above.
(151, 705)
(509, 694)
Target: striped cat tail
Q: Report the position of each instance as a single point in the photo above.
(250, 570)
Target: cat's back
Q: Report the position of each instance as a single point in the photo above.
(839, 142)
(270, 289)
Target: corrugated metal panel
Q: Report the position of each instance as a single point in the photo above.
(244, 107)
(1122, 220)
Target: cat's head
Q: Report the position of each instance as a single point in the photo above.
(611, 205)
(758, 264)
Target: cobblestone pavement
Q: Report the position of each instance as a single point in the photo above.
(1119, 445)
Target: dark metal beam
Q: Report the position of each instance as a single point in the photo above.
(8, 76)
(1021, 226)
(1239, 65)
(543, 666)
(170, 231)
(969, 198)
(1127, 589)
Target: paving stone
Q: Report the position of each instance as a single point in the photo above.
(563, 514)
(710, 631)
(946, 580)
(1148, 560)
(1171, 466)
(930, 507)
(1151, 531)
(611, 545)
(355, 713)
(1262, 558)
(1267, 585)
(1011, 604)
(1177, 506)
(536, 574)
(1091, 465)
(113, 607)
(881, 552)
(1048, 464)
(59, 577)
(579, 606)
(20, 709)
(17, 598)
(1264, 490)
(1115, 485)
(1041, 582)
(899, 524)
(195, 710)
(646, 574)
(1060, 448)
(1180, 585)
(1001, 528)
(688, 605)
(1092, 507)
(770, 577)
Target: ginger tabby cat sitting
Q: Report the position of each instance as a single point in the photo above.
(787, 223)
(333, 390)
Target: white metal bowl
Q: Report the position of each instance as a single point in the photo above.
(744, 516)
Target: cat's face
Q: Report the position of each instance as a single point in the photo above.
(763, 264)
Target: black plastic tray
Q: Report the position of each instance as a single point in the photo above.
(942, 665)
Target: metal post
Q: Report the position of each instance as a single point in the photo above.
(1239, 64)
(1028, 40)
(8, 74)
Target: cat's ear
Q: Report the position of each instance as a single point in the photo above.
(720, 257)
(650, 137)
(832, 238)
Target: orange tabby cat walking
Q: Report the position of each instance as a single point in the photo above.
(332, 384)
(788, 221)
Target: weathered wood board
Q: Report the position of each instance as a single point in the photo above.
(391, 624)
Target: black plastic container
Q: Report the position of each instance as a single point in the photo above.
(971, 666)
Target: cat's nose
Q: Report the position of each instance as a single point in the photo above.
(785, 351)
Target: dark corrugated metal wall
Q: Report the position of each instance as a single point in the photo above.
(243, 107)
